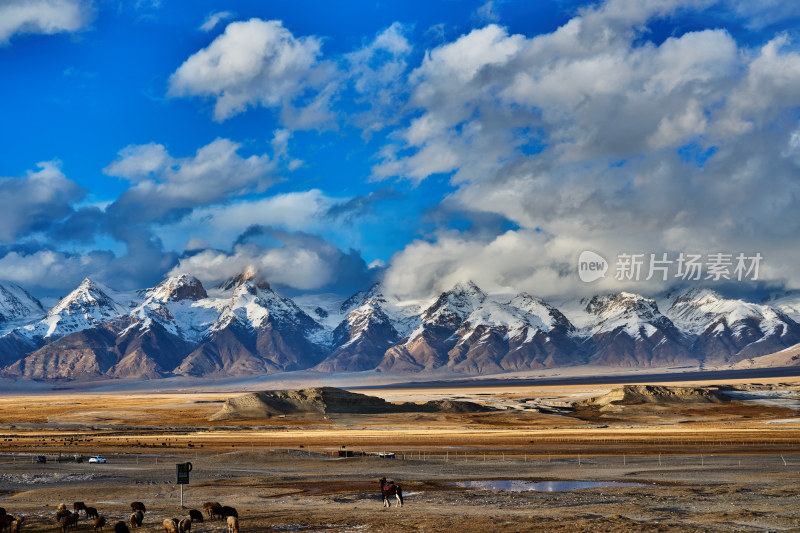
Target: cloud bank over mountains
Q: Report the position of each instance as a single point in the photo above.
(605, 132)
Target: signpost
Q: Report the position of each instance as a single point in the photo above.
(182, 472)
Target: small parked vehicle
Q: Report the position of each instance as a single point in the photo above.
(97, 459)
(41, 459)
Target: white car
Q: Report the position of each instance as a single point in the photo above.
(97, 459)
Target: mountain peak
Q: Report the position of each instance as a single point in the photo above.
(250, 274)
(183, 287)
(622, 303)
(467, 287)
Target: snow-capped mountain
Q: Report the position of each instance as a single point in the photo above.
(521, 334)
(258, 331)
(629, 330)
(427, 347)
(729, 330)
(244, 327)
(90, 304)
(17, 306)
(369, 328)
(787, 302)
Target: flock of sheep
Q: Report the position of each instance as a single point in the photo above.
(69, 519)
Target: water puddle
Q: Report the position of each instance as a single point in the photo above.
(510, 485)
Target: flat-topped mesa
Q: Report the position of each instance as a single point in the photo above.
(654, 394)
(327, 400)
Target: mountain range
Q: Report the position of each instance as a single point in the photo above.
(242, 327)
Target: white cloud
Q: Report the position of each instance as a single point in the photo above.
(137, 162)
(42, 16)
(253, 63)
(213, 19)
(299, 260)
(296, 267)
(594, 137)
(219, 226)
(34, 202)
(162, 183)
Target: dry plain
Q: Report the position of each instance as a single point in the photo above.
(688, 466)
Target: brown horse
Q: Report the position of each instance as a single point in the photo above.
(390, 488)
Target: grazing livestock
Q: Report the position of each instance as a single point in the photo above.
(185, 525)
(62, 513)
(5, 522)
(233, 524)
(78, 506)
(170, 525)
(120, 527)
(100, 523)
(390, 488)
(195, 515)
(136, 519)
(210, 507)
(226, 511)
(69, 522)
(16, 525)
(138, 506)
(91, 512)
(2, 511)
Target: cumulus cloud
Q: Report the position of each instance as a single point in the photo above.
(220, 225)
(298, 261)
(257, 62)
(594, 137)
(34, 202)
(138, 162)
(165, 186)
(42, 17)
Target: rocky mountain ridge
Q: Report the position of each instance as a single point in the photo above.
(242, 327)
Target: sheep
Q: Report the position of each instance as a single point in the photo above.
(233, 524)
(78, 506)
(195, 515)
(100, 523)
(136, 519)
(226, 511)
(185, 525)
(170, 525)
(120, 527)
(138, 506)
(69, 521)
(91, 512)
(210, 507)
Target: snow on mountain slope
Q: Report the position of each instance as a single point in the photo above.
(629, 330)
(90, 304)
(17, 307)
(787, 302)
(181, 306)
(730, 330)
(695, 310)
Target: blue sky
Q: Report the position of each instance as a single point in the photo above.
(332, 144)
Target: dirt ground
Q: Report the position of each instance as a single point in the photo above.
(718, 467)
